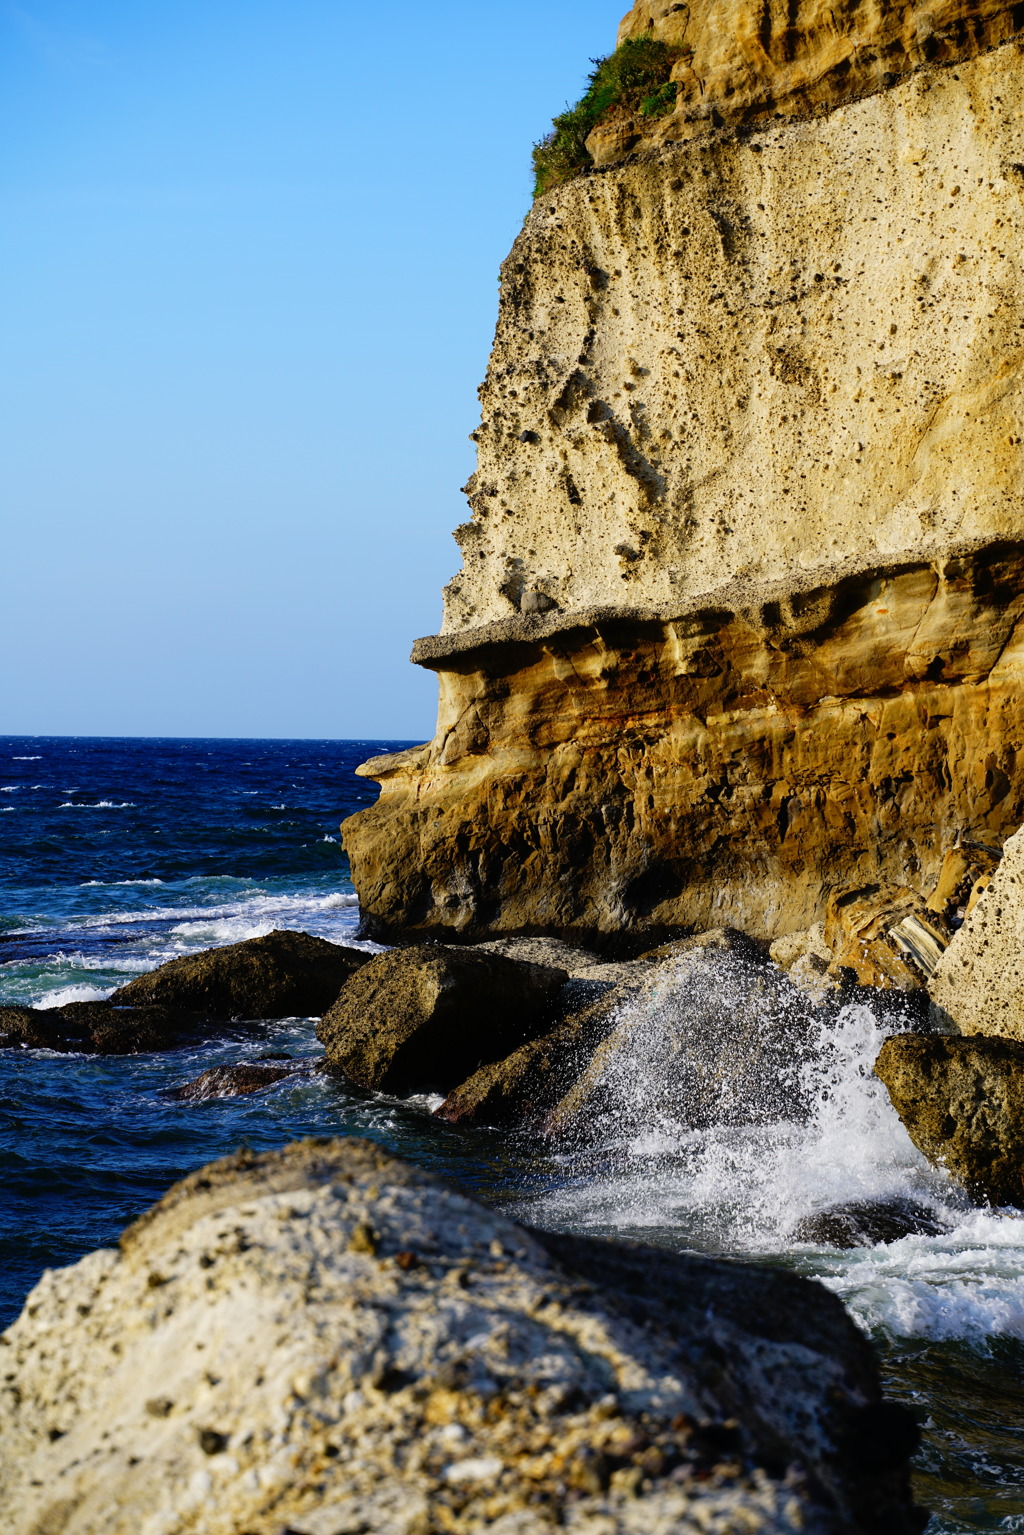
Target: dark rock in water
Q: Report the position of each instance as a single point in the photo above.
(867, 1223)
(231, 1082)
(443, 1369)
(962, 1102)
(282, 975)
(422, 1019)
(98, 1028)
(520, 1089)
(707, 1037)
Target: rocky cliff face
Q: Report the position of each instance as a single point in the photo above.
(737, 619)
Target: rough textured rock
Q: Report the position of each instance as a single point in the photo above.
(806, 959)
(421, 1019)
(707, 1039)
(965, 874)
(867, 1222)
(232, 1081)
(281, 975)
(325, 1340)
(742, 62)
(751, 426)
(518, 1092)
(978, 986)
(962, 1102)
(98, 1028)
(887, 936)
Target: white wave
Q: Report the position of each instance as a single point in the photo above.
(72, 994)
(326, 838)
(5, 808)
(101, 804)
(26, 759)
(112, 884)
(743, 1188)
(10, 788)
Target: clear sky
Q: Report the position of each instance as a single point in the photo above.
(248, 279)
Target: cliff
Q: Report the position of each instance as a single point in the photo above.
(738, 614)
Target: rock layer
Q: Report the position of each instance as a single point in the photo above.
(325, 1340)
(737, 619)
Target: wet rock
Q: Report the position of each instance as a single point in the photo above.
(708, 1038)
(867, 1223)
(978, 987)
(518, 1091)
(962, 1102)
(884, 935)
(98, 1028)
(231, 1081)
(422, 1019)
(281, 975)
(806, 957)
(441, 1368)
(543, 951)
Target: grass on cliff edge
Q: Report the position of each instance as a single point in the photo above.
(633, 79)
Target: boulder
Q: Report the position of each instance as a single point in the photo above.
(518, 1091)
(98, 1028)
(281, 975)
(422, 1019)
(806, 958)
(709, 1038)
(966, 872)
(978, 986)
(324, 1339)
(231, 1081)
(962, 1102)
(868, 1223)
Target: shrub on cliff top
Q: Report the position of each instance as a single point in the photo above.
(633, 79)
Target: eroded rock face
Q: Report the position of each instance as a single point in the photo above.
(281, 975)
(324, 1339)
(978, 987)
(421, 1019)
(962, 1102)
(751, 431)
(742, 62)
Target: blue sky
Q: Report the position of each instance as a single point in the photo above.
(248, 281)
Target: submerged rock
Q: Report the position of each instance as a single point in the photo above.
(422, 1019)
(232, 1081)
(98, 1028)
(867, 1223)
(978, 987)
(324, 1339)
(962, 1102)
(281, 975)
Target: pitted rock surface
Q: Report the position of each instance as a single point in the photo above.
(324, 1339)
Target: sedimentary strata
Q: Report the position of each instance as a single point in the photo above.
(738, 618)
(324, 1339)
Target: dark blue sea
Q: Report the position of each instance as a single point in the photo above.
(116, 855)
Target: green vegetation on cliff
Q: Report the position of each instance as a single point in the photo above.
(633, 79)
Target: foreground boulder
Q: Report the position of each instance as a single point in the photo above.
(326, 1340)
(282, 975)
(422, 1019)
(962, 1102)
(97, 1028)
(978, 986)
(867, 1223)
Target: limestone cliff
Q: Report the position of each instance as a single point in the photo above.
(738, 614)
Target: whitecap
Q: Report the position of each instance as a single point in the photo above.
(111, 884)
(101, 804)
(10, 788)
(72, 994)
(26, 759)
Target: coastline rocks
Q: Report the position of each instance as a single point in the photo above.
(708, 1038)
(422, 1019)
(97, 1028)
(281, 975)
(962, 1102)
(978, 986)
(886, 936)
(231, 1081)
(324, 1339)
(867, 1223)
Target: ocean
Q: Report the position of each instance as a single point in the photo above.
(116, 855)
